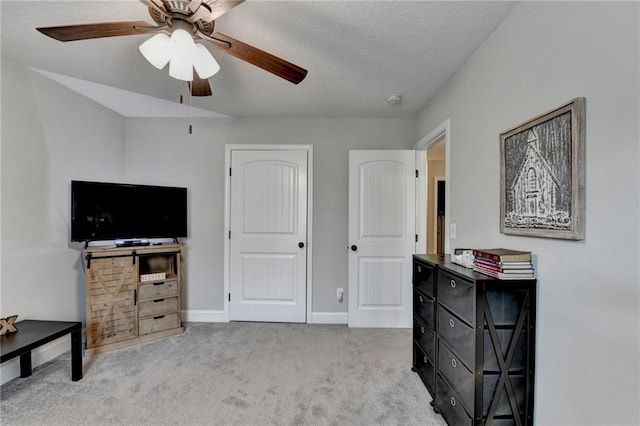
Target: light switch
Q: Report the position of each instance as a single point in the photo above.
(452, 231)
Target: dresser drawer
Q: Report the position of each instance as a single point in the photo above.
(159, 323)
(424, 307)
(448, 402)
(423, 278)
(458, 376)
(158, 290)
(459, 336)
(424, 367)
(457, 294)
(156, 307)
(425, 337)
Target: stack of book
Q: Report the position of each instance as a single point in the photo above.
(504, 264)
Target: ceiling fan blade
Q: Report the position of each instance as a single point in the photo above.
(259, 58)
(199, 86)
(89, 31)
(220, 7)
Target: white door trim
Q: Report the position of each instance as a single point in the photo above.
(228, 148)
(442, 131)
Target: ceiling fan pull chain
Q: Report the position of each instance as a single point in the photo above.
(190, 113)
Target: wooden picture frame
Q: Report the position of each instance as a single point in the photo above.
(542, 182)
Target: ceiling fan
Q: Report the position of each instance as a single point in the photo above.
(197, 18)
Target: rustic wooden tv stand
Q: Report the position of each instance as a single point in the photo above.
(132, 294)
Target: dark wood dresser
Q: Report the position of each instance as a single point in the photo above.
(474, 343)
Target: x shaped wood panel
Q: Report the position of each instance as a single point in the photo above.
(504, 361)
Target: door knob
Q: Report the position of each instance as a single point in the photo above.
(354, 248)
(301, 244)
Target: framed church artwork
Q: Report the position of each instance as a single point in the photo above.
(542, 180)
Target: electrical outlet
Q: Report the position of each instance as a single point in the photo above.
(340, 294)
(452, 231)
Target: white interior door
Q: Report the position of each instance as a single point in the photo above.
(381, 237)
(268, 241)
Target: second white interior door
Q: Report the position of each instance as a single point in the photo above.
(381, 237)
(268, 247)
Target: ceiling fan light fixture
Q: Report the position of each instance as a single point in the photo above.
(204, 62)
(156, 50)
(182, 50)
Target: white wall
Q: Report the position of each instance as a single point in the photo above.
(541, 56)
(161, 151)
(49, 137)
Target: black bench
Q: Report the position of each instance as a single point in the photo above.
(32, 334)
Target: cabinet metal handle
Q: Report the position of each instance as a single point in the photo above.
(453, 283)
(419, 268)
(422, 330)
(454, 363)
(451, 323)
(453, 402)
(421, 299)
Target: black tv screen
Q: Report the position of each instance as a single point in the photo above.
(112, 211)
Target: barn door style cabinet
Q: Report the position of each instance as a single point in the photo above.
(474, 343)
(132, 294)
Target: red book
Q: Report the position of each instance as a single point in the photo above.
(498, 266)
(503, 255)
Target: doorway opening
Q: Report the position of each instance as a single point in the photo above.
(436, 197)
(432, 191)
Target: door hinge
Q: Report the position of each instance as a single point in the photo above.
(229, 171)
(229, 297)
(416, 238)
(417, 173)
(229, 233)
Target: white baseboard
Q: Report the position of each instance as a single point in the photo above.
(219, 316)
(329, 318)
(11, 369)
(203, 316)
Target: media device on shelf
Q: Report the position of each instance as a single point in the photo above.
(129, 214)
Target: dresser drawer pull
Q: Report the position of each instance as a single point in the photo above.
(451, 323)
(419, 268)
(453, 283)
(158, 300)
(422, 330)
(453, 401)
(454, 363)
(421, 299)
(159, 317)
(160, 283)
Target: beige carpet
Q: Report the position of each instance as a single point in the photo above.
(233, 374)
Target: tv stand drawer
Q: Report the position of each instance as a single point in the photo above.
(159, 323)
(158, 290)
(157, 307)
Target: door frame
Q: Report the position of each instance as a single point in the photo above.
(440, 132)
(228, 148)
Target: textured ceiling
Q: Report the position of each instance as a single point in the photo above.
(357, 53)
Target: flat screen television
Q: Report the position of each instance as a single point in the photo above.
(118, 211)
